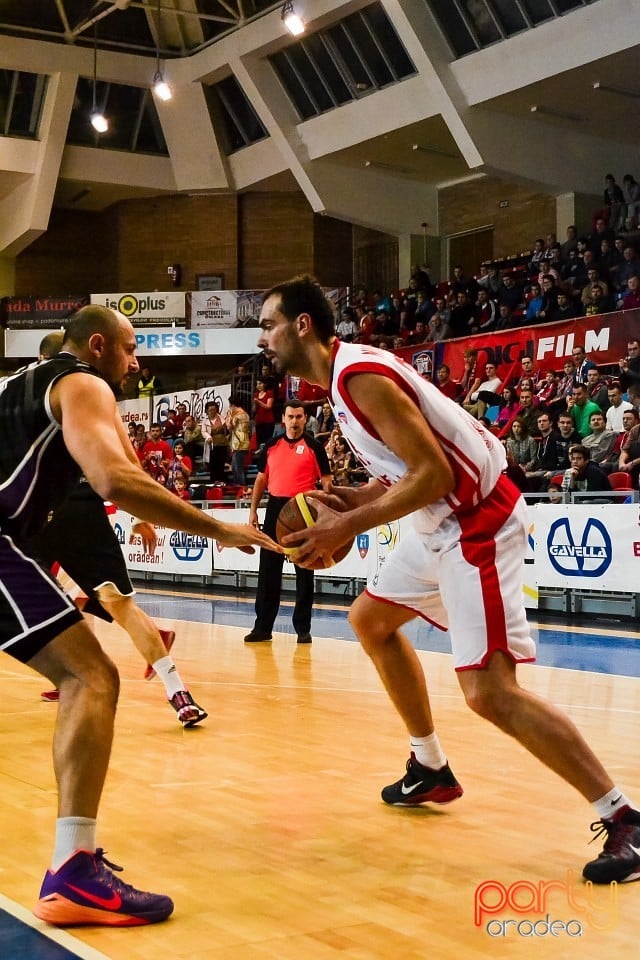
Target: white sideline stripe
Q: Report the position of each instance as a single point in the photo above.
(65, 939)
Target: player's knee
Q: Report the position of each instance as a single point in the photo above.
(493, 705)
(100, 680)
(369, 628)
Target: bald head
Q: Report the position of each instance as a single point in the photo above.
(90, 320)
(51, 345)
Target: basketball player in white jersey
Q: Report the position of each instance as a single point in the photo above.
(460, 567)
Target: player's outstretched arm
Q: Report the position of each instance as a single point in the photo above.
(85, 407)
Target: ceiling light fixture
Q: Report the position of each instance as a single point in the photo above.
(435, 150)
(558, 114)
(161, 89)
(98, 120)
(293, 23)
(631, 94)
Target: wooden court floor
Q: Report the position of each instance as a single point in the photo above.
(266, 827)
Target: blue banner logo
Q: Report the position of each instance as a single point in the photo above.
(590, 556)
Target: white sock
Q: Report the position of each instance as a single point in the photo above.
(168, 673)
(608, 805)
(72, 833)
(428, 751)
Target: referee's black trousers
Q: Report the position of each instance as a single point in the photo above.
(270, 581)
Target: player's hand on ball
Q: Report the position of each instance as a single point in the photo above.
(319, 544)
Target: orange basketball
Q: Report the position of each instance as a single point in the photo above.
(298, 513)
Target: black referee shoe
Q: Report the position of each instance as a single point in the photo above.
(256, 637)
(304, 638)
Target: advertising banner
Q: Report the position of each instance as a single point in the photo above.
(145, 307)
(604, 338)
(225, 308)
(588, 547)
(169, 342)
(195, 401)
(22, 312)
(135, 411)
(176, 552)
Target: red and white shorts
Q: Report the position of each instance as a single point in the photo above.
(467, 576)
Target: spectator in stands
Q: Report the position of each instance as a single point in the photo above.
(425, 309)
(419, 334)
(558, 403)
(613, 199)
(156, 453)
(216, 442)
(521, 447)
(148, 384)
(478, 407)
(600, 441)
(422, 279)
(472, 376)
(630, 419)
(461, 315)
(630, 365)
(564, 309)
(242, 386)
(546, 270)
(571, 243)
(528, 411)
(581, 408)
(510, 293)
(506, 320)
(549, 243)
(238, 427)
(172, 427)
(491, 281)
(630, 455)
(193, 439)
(438, 330)
(608, 257)
(594, 279)
(347, 328)
(527, 372)
(179, 466)
(341, 462)
(180, 489)
(484, 314)
(546, 461)
(546, 388)
(533, 267)
(549, 299)
(263, 415)
(631, 299)
(630, 268)
(617, 408)
(631, 193)
(461, 284)
(555, 493)
(582, 475)
(326, 423)
(582, 364)
(534, 303)
(445, 384)
(140, 438)
(571, 268)
(368, 327)
(597, 388)
(381, 302)
(567, 437)
(600, 301)
(441, 307)
(509, 406)
(581, 275)
(601, 232)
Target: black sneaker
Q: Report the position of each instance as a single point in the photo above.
(257, 637)
(619, 861)
(421, 785)
(304, 638)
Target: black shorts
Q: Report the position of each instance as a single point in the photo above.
(33, 608)
(81, 539)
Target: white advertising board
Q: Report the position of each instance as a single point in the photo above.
(176, 552)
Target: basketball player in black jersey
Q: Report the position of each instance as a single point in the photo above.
(80, 538)
(59, 420)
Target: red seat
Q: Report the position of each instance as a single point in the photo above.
(557, 479)
(620, 481)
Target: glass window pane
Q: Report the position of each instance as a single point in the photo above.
(384, 31)
(538, 10)
(351, 62)
(366, 46)
(509, 16)
(327, 67)
(455, 29)
(481, 21)
(564, 6)
(308, 74)
(293, 86)
(150, 137)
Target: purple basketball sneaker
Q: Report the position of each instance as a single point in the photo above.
(84, 890)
